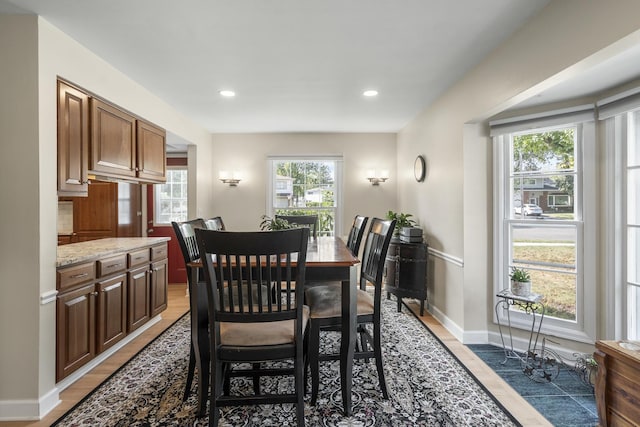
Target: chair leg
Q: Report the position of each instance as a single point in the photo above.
(203, 386)
(377, 350)
(217, 379)
(299, 389)
(190, 372)
(314, 362)
(256, 379)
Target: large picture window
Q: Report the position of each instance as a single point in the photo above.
(307, 186)
(540, 225)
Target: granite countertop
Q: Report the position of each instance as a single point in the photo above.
(74, 253)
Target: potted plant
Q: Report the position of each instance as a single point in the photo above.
(402, 220)
(520, 281)
(271, 224)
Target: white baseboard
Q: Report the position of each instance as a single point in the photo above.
(36, 409)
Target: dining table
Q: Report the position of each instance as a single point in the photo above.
(328, 259)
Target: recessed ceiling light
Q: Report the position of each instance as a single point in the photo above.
(227, 93)
(370, 93)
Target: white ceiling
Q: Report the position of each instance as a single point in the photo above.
(296, 65)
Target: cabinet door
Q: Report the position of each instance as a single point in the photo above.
(75, 330)
(113, 141)
(151, 152)
(96, 216)
(139, 299)
(73, 140)
(112, 311)
(159, 282)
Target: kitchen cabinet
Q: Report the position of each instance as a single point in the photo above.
(102, 300)
(123, 146)
(113, 141)
(96, 216)
(73, 140)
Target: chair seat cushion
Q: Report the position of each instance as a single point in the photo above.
(260, 334)
(325, 301)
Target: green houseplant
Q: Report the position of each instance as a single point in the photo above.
(402, 220)
(520, 281)
(271, 224)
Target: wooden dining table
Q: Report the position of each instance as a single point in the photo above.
(328, 259)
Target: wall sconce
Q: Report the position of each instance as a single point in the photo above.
(376, 179)
(232, 178)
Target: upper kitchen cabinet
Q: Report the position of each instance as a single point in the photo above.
(151, 152)
(101, 141)
(73, 140)
(113, 141)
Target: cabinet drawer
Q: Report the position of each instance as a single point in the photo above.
(159, 252)
(138, 257)
(71, 276)
(111, 265)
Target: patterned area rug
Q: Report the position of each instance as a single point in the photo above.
(428, 386)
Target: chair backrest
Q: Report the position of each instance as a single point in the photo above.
(375, 253)
(215, 223)
(238, 264)
(309, 221)
(186, 236)
(356, 233)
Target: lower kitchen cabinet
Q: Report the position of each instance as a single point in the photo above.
(75, 329)
(139, 298)
(101, 301)
(112, 311)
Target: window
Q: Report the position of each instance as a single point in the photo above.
(546, 234)
(170, 198)
(307, 186)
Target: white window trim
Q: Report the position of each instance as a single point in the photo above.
(584, 328)
(271, 161)
(155, 201)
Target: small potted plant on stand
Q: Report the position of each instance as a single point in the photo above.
(520, 281)
(403, 220)
(270, 224)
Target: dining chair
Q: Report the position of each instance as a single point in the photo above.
(255, 333)
(355, 234)
(215, 223)
(325, 307)
(199, 348)
(310, 221)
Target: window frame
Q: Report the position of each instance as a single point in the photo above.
(583, 329)
(156, 189)
(338, 209)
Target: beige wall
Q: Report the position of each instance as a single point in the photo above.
(455, 202)
(34, 53)
(242, 206)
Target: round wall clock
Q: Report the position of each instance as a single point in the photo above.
(419, 168)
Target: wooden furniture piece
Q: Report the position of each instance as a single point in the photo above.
(310, 221)
(106, 289)
(255, 332)
(215, 223)
(618, 383)
(73, 140)
(406, 272)
(99, 139)
(355, 234)
(199, 350)
(326, 314)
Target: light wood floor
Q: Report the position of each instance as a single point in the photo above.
(179, 304)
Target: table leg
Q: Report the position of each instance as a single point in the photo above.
(348, 341)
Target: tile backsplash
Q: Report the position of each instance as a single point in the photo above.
(65, 217)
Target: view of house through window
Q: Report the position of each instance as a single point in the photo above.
(543, 225)
(170, 198)
(307, 187)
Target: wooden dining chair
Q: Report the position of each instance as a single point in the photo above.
(255, 333)
(310, 221)
(199, 349)
(215, 223)
(325, 307)
(355, 234)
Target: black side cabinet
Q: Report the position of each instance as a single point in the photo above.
(406, 272)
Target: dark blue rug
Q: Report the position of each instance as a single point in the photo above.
(567, 401)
